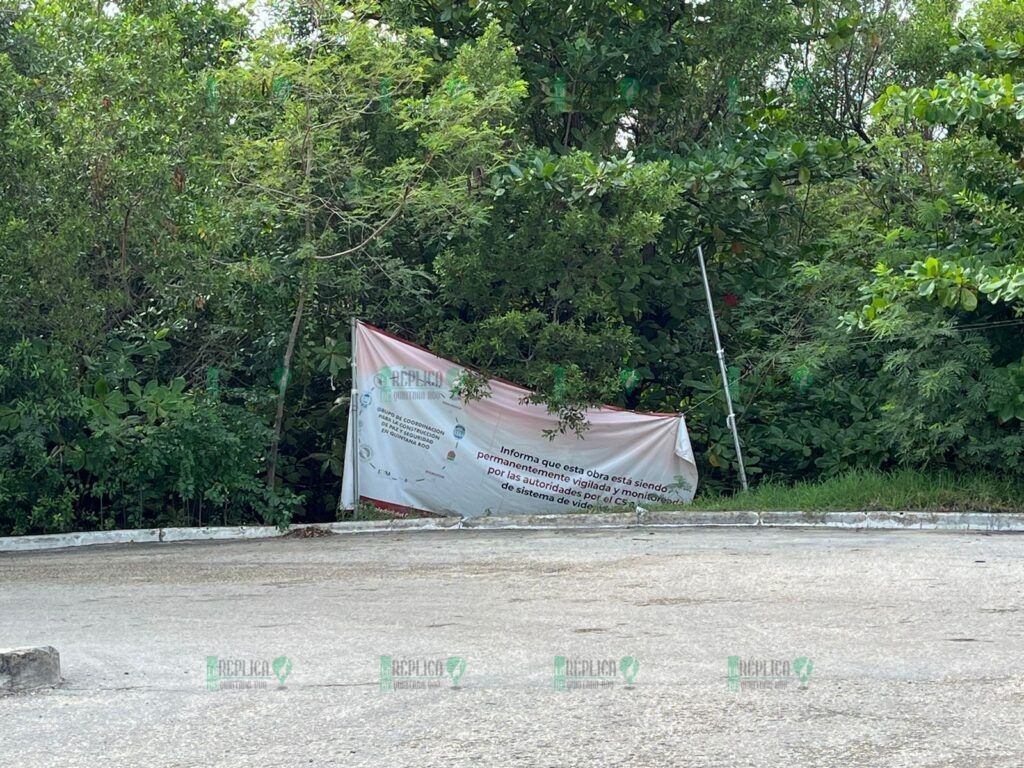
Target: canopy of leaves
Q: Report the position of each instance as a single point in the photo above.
(195, 198)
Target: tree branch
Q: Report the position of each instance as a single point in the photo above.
(373, 235)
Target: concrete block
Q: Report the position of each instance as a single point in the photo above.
(23, 669)
(926, 520)
(846, 519)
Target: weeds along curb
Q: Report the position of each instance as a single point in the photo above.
(641, 518)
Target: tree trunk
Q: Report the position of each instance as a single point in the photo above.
(307, 172)
(282, 387)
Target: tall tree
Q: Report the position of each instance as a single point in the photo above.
(343, 130)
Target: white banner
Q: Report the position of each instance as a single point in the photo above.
(422, 448)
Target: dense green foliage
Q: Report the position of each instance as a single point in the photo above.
(194, 199)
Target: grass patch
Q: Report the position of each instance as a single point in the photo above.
(875, 491)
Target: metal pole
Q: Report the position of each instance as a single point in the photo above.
(354, 417)
(731, 419)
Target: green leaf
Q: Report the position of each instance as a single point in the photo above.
(968, 300)
(10, 419)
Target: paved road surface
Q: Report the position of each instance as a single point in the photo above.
(915, 644)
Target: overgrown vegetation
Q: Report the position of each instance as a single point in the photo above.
(195, 198)
(870, 490)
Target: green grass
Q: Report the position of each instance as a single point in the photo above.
(857, 490)
(879, 491)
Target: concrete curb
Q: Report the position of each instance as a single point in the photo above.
(923, 521)
(542, 522)
(697, 518)
(218, 533)
(398, 524)
(926, 521)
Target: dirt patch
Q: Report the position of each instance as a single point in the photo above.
(308, 533)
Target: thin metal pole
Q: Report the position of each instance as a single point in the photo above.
(354, 417)
(731, 419)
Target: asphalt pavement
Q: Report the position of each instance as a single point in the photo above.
(689, 647)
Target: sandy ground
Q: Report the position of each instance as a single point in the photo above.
(914, 639)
